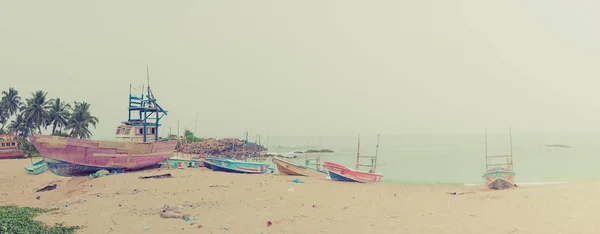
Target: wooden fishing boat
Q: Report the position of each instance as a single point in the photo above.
(499, 173)
(182, 163)
(36, 168)
(288, 168)
(137, 145)
(338, 172)
(499, 178)
(9, 147)
(228, 165)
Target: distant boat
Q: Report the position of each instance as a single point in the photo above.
(36, 168)
(558, 146)
(137, 144)
(228, 165)
(341, 173)
(288, 168)
(9, 147)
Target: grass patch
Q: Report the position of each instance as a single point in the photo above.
(20, 220)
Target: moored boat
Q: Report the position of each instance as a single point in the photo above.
(9, 147)
(137, 145)
(228, 165)
(288, 168)
(36, 168)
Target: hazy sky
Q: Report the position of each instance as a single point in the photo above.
(315, 67)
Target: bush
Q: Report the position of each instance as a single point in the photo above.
(20, 220)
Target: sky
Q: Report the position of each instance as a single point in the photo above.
(315, 67)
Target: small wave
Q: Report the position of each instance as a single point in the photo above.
(520, 184)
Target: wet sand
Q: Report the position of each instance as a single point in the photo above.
(233, 203)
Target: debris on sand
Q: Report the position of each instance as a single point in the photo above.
(47, 188)
(168, 175)
(169, 212)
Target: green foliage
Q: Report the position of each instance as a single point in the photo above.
(37, 113)
(20, 220)
(80, 121)
(60, 133)
(28, 148)
(59, 114)
(37, 110)
(189, 137)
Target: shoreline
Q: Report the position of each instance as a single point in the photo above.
(219, 202)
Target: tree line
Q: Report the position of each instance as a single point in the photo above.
(38, 112)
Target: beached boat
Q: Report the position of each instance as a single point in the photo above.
(228, 165)
(499, 172)
(499, 178)
(182, 163)
(338, 172)
(137, 145)
(9, 147)
(36, 168)
(288, 168)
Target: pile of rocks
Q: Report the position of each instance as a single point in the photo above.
(227, 147)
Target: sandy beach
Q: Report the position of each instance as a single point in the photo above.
(234, 203)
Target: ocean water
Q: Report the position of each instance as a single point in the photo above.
(459, 159)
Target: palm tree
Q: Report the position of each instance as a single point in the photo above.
(10, 104)
(80, 120)
(59, 114)
(21, 126)
(37, 110)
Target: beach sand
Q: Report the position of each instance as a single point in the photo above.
(234, 203)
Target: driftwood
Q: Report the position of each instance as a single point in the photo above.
(168, 175)
(47, 188)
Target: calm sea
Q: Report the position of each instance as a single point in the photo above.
(459, 159)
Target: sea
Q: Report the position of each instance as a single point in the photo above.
(457, 159)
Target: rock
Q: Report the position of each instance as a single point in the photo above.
(227, 147)
(319, 151)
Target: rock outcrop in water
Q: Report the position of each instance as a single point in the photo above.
(227, 147)
(319, 151)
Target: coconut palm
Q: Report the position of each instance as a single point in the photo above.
(37, 110)
(10, 104)
(59, 114)
(21, 126)
(80, 120)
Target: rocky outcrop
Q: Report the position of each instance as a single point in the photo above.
(227, 147)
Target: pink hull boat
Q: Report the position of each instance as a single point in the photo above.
(73, 157)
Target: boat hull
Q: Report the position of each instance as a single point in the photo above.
(77, 157)
(499, 178)
(11, 154)
(288, 168)
(182, 163)
(226, 165)
(342, 173)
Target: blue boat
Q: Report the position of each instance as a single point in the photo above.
(232, 166)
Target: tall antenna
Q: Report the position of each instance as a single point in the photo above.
(486, 150)
(148, 77)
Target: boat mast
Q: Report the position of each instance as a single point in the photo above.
(358, 153)
(374, 162)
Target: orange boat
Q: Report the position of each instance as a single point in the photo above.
(9, 147)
